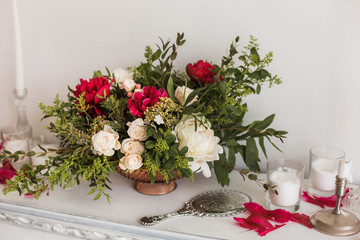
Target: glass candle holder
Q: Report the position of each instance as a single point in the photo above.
(15, 140)
(286, 176)
(324, 162)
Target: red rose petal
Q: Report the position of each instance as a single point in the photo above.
(280, 215)
(246, 224)
(302, 219)
(263, 231)
(260, 220)
(307, 198)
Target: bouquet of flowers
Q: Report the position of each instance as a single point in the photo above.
(155, 118)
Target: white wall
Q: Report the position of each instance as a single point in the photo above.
(315, 43)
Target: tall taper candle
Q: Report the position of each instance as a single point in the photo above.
(20, 83)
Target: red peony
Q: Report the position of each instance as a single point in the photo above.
(96, 90)
(149, 97)
(202, 71)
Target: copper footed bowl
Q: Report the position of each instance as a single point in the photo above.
(143, 182)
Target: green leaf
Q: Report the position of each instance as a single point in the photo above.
(231, 157)
(258, 89)
(222, 87)
(261, 143)
(221, 171)
(170, 88)
(186, 172)
(157, 135)
(156, 55)
(92, 191)
(273, 144)
(262, 124)
(150, 132)
(231, 143)
(252, 177)
(183, 151)
(149, 144)
(251, 155)
(64, 175)
(97, 196)
(157, 159)
(170, 139)
(193, 95)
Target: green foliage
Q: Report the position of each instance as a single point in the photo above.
(219, 106)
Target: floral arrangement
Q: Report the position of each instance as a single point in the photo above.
(155, 118)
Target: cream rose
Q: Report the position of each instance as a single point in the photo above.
(128, 85)
(137, 130)
(202, 144)
(131, 146)
(106, 141)
(181, 91)
(131, 162)
(120, 75)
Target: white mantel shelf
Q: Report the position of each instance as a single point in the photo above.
(73, 213)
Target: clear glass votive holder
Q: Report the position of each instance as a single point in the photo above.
(324, 163)
(48, 142)
(286, 177)
(14, 140)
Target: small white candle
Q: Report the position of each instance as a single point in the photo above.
(323, 174)
(16, 145)
(41, 160)
(288, 186)
(341, 169)
(20, 83)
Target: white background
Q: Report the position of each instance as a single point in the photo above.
(315, 44)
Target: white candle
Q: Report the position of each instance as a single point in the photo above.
(41, 160)
(288, 186)
(323, 174)
(20, 83)
(341, 169)
(16, 145)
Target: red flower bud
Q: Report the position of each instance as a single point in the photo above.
(202, 71)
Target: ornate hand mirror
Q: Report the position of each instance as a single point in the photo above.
(217, 203)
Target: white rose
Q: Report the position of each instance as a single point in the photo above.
(128, 85)
(137, 130)
(131, 162)
(106, 141)
(202, 144)
(120, 75)
(181, 91)
(131, 146)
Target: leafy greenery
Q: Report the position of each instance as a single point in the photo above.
(221, 103)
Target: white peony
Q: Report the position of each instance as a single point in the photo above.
(120, 75)
(131, 146)
(181, 91)
(131, 162)
(137, 129)
(128, 84)
(202, 144)
(106, 141)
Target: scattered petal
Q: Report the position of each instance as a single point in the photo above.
(307, 198)
(302, 219)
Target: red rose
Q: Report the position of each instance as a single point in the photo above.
(149, 97)
(202, 71)
(94, 88)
